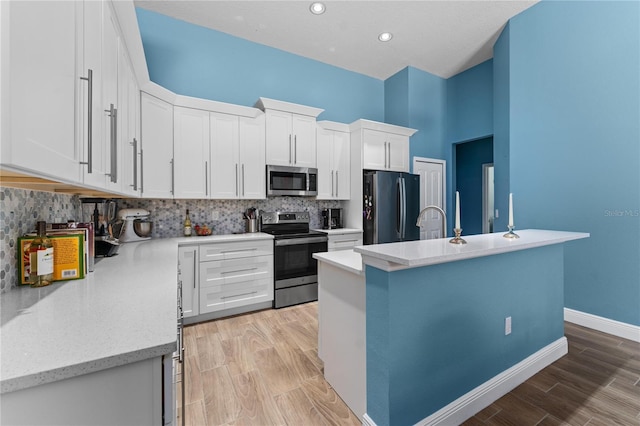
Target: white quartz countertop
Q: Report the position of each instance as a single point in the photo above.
(412, 254)
(348, 260)
(340, 231)
(123, 312)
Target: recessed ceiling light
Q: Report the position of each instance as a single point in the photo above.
(385, 36)
(317, 8)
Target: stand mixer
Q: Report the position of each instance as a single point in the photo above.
(136, 225)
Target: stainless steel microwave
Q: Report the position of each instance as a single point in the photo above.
(296, 181)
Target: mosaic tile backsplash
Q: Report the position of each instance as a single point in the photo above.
(20, 210)
(168, 215)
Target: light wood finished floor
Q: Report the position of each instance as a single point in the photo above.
(262, 369)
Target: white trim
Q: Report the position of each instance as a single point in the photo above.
(609, 326)
(484, 395)
(381, 127)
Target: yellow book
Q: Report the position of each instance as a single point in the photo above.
(68, 257)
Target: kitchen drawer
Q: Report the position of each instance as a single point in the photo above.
(223, 272)
(219, 297)
(344, 241)
(235, 250)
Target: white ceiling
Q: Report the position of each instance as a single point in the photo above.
(440, 37)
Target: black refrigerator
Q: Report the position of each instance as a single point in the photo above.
(391, 207)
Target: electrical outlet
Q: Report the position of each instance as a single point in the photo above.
(215, 215)
(507, 326)
(497, 214)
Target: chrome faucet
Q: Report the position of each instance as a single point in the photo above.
(442, 213)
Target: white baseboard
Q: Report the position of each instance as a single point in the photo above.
(484, 395)
(616, 328)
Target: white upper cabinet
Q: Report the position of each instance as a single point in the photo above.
(128, 127)
(381, 146)
(290, 133)
(191, 152)
(333, 156)
(157, 147)
(237, 156)
(385, 151)
(39, 83)
(252, 157)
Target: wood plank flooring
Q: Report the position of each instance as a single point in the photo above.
(262, 368)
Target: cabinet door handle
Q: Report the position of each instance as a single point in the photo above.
(385, 155)
(135, 163)
(141, 172)
(89, 162)
(206, 180)
(337, 183)
(243, 179)
(295, 149)
(289, 149)
(332, 183)
(237, 180)
(389, 154)
(173, 172)
(195, 269)
(113, 139)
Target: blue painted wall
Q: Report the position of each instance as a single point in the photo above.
(470, 156)
(435, 333)
(501, 126)
(470, 103)
(196, 61)
(574, 143)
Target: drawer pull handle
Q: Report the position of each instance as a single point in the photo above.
(239, 251)
(236, 295)
(238, 270)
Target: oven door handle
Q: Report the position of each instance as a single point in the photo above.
(300, 241)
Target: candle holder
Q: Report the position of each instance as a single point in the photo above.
(511, 234)
(457, 239)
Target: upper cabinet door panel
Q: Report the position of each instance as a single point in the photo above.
(374, 150)
(252, 157)
(157, 147)
(304, 140)
(324, 157)
(279, 140)
(342, 165)
(41, 61)
(225, 162)
(191, 152)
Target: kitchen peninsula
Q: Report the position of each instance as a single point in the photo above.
(449, 328)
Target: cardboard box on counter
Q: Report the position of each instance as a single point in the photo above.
(68, 255)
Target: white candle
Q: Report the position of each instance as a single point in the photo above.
(510, 209)
(457, 210)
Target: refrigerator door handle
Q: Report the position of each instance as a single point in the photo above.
(398, 208)
(403, 208)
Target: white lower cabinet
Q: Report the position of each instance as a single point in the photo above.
(188, 265)
(344, 241)
(225, 275)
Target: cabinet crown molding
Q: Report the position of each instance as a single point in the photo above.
(334, 125)
(382, 127)
(266, 103)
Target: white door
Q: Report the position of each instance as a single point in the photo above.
(432, 190)
(279, 138)
(324, 158)
(374, 155)
(342, 165)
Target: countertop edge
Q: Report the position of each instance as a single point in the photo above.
(332, 258)
(74, 370)
(389, 262)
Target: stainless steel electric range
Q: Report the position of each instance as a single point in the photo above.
(295, 269)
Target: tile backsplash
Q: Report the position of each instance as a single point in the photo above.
(20, 209)
(168, 215)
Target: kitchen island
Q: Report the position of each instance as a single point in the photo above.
(77, 349)
(437, 345)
